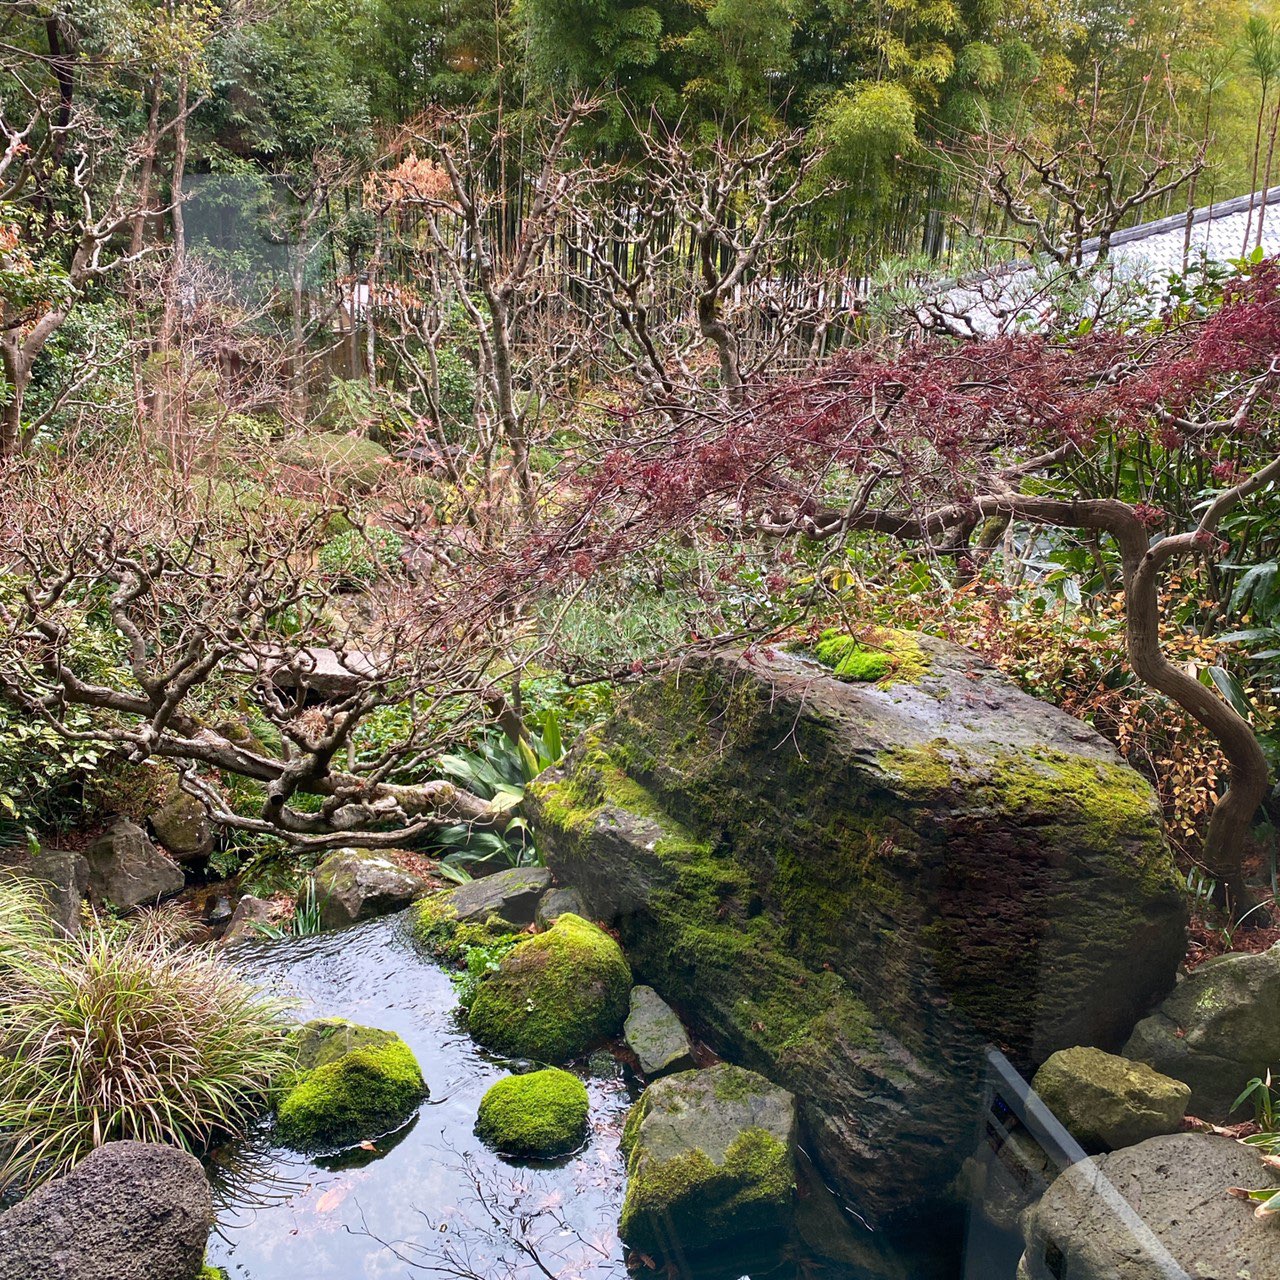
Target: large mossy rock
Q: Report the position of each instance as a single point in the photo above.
(60, 880)
(542, 1113)
(856, 887)
(710, 1160)
(555, 995)
(182, 826)
(127, 1211)
(353, 1083)
(1106, 1101)
(1219, 1029)
(1177, 1187)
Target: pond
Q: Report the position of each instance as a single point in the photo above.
(430, 1199)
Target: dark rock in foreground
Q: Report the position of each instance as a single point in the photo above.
(128, 1211)
(710, 1161)
(1177, 1186)
(856, 888)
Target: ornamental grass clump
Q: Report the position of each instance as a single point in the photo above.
(123, 1033)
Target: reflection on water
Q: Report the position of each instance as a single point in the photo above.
(429, 1199)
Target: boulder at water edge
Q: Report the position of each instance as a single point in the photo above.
(1106, 1101)
(1177, 1186)
(554, 995)
(542, 1114)
(511, 895)
(857, 887)
(710, 1160)
(353, 1083)
(655, 1035)
(128, 1211)
(1219, 1029)
(126, 870)
(564, 900)
(359, 884)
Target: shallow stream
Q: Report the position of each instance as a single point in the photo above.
(430, 1199)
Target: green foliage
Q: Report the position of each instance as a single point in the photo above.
(882, 656)
(543, 1113)
(124, 1034)
(361, 556)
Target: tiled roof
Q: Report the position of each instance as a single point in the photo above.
(982, 303)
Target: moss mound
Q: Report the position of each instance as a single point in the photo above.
(882, 657)
(543, 1113)
(555, 995)
(349, 1094)
(350, 462)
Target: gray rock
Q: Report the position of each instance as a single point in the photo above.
(326, 673)
(128, 1211)
(1218, 1029)
(358, 884)
(182, 827)
(249, 911)
(1107, 1101)
(561, 901)
(1178, 1186)
(854, 888)
(62, 879)
(510, 895)
(710, 1160)
(127, 870)
(655, 1035)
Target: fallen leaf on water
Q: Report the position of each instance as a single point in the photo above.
(367, 1146)
(331, 1199)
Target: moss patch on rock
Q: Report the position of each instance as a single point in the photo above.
(555, 994)
(349, 1094)
(543, 1113)
(438, 931)
(881, 656)
(709, 1161)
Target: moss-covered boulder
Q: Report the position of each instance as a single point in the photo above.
(710, 1160)
(555, 995)
(1218, 1029)
(543, 1113)
(353, 1083)
(857, 886)
(331, 459)
(1106, 1101)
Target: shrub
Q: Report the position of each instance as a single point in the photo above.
(342, 461)
(124, 1035)
(361, 555)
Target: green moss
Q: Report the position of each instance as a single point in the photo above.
(356, 1096)
(882, 656)
(543, 1113)
(555, 995)
(324, 1040)
(699, 1203)
(210, 1272)
(436, 929)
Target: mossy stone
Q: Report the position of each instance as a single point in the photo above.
(882, 655)
(1107, 1102)
(349, 1094)
(543, 1113)
(554, 995)
(710, 1160)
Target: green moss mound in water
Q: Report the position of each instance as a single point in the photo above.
(543, 1113)
(555, 995)
(352, 1096)
(883, 657)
